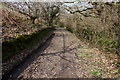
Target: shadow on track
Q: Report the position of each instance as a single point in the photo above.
(14, 73)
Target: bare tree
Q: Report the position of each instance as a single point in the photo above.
(51, 11)
(30, 9)
(48, 11)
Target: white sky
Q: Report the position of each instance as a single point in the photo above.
(58, 0)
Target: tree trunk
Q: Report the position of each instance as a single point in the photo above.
(50, 23)
(33, 19)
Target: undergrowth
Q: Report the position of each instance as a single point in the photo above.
(12, 46)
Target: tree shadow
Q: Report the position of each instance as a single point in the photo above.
(66, 49)
(35, 54)
(17, 70)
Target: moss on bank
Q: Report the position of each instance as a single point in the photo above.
(12, 46)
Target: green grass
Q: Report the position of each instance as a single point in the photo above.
(105, 40)
(81, 46)
(95, 73)
(13, 46)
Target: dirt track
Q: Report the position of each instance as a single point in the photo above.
(59, 60)
(62, 56)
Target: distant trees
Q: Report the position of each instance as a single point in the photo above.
(26, 8)
(51, 11)
(78, 7)
(48, 11)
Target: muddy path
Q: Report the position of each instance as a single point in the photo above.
(60, 57)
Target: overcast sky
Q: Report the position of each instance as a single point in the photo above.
(57, 0)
